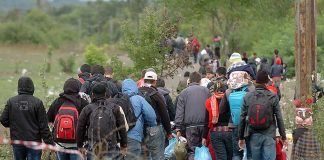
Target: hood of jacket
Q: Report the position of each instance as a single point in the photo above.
(85, 76)
(163, 91)
(129, 87)
(71, 91)
(264, 60)
(25, 86)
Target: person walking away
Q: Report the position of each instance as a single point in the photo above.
(99, 124)
(209, 51)
(276, 72)
(252, 62)
(220, 133)
(239, 83)
(155, 135)
(145, 117)
(160, 84)
(25, 115)
(191, 115)
(245, 57)
(220, 76)
(195, 48)
(109, 75)
(237, 64)
(98, 72)
(261, 108)
(68, 104)
(84, 73)
(265, 66)
(216, 46)
(275, 57)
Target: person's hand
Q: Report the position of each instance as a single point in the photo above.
(204, 141)
(285, 144)
(123, 150)
(241, 144)
(169, 136)
(178, 134)
(83, 151)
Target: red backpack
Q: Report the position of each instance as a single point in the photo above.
(65, 123)
(272, 88)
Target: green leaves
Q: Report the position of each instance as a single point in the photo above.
(95, 55)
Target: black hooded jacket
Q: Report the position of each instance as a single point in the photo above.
(71, 94)
(25, 115)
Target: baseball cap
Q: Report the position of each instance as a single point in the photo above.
(150, 75)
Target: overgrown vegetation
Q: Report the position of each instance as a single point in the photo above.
(95, 55)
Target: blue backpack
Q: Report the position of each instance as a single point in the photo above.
(235, 99)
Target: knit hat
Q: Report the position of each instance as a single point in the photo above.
(262, 77)
(235, 57)
(99, 89)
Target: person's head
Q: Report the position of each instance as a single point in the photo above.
(194, 77)
(276, 52)
(99, 90)
(264, 60)
(109, 72)
(254, 54)
(97, 69)
(235, 58)
(244, 55)
(186, 74)
(209, 73)
(207, 46)
(220, 72)
(26, 85)
(160, 83)
(285, 65)
(71, 86)
(219, 86)
(85, 68)
(150, 78)
(262, 77)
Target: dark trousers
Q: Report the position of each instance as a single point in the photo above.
(222, 144)
(194, 138)
(68, 156)
(195, 55)
(25, 153)
(217, 52)
(237, 155)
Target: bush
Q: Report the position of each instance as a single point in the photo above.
(68, 64)
(318, 121)
(95, 55)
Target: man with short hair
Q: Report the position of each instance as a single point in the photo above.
(109, 75)
(84, 74)
(155, 135)
(191, 114)
(262, 109)
(183, 82)
(25, 115)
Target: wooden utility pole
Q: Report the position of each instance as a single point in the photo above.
(305, 46)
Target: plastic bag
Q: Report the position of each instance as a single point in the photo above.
(180, 150)
(169, 150)
(202, 153)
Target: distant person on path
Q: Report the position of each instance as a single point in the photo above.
(109, 75)
(216, 46)
(252, 62)
(275, 57)
(183, 82)
(209, 51)
(264, 116)
(85, 73)
(245, 57)
(265, 66)
(69, 103)
(191, 114)
(276, 72)
(25, 115)
(195, 44)
(145, 117)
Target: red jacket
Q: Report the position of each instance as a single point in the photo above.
(280, 154)
(210, 126)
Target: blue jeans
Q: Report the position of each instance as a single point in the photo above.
(155, 142)
(133, 149)
(67, 156)
(222, 144)
(25, 153)
(262, 147)
(237, 155)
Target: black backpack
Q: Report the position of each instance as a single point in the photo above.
(102, 128)
(260, 113)
(147, 96)
(123, 100)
